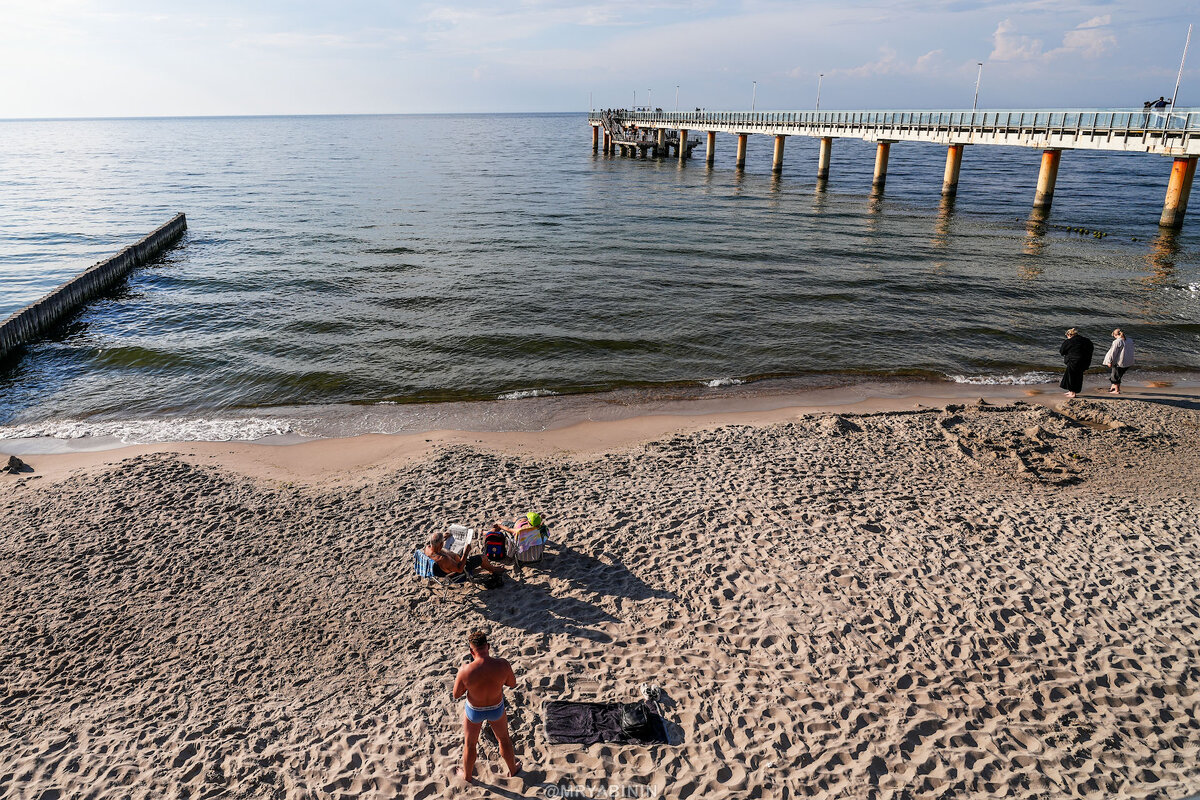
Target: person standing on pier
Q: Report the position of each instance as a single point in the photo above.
(1076, 351)
(1118, 358)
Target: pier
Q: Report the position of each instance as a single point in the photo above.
(35, 319)
(1174, 134)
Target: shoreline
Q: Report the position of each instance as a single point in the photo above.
(354, 458)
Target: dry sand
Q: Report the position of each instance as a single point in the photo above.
(984, 600)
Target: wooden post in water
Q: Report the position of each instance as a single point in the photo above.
(954, 154)
(740, 161)
(777, 159)
(595, 138)
(823, 158)
(710, 148)
(1183, 171)
(1047, 177)
(881, 162)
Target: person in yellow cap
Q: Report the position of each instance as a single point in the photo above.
(527, 531)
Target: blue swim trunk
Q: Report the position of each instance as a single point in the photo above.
(486, 714)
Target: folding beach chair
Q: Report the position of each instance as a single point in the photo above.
(528, 547)
(423, 565)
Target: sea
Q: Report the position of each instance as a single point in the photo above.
(353, 274)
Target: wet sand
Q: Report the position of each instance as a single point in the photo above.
(981, 599)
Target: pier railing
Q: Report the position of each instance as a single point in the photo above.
(1165, 132)
(1180, 119)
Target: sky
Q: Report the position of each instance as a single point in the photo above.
(87, 58)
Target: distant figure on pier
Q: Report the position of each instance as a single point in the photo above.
(1076, 351)
(1159, 106)
(1118, 358)
(1146, 106)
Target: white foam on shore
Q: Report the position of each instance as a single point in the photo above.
(718, 382)
(147, 431)
(1025, 379)
(520, 395)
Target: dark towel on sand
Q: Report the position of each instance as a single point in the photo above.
(589, 723)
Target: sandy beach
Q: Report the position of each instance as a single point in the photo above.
(996, 598)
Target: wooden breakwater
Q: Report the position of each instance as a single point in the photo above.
(32, 321)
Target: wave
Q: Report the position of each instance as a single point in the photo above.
(146, 431)
(1023, 379)
(523, 393)
(718, 382)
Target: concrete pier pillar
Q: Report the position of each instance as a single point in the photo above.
(710, 148)
(954, 154)
(683, 134)
(881, 160)
(823, 158)
(1047, 177)
(661, 142)
(1183, 171)
(607, 143)
(740, 161)
(777, 159)
(595, 138)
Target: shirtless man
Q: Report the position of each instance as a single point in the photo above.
(450, 563)
(483, 682)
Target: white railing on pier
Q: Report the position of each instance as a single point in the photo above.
(1180, 119)
(1166, 132)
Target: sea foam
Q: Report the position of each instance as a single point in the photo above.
(1023, 379)
(523, 393)
(146, 431)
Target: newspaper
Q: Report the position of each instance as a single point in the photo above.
(458, 538)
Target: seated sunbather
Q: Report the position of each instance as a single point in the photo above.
(448, 563)
(527, 533)
(530, 522)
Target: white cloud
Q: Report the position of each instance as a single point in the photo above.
(1091, 39)
(1009, 46)
(890, 63)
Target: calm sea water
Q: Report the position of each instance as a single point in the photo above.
(399, 259)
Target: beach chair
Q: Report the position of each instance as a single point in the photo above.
(423, 565)
(528, 547)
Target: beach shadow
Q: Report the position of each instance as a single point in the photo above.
(602, 577)
(534, 608)
(675, 735)
(1187, 402)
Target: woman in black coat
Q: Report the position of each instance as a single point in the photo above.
(1076, 351)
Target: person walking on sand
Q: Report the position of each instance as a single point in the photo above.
(1076, 351)
(1118, 358)
(483, 681)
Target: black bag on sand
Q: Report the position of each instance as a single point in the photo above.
(492, 581)
(637, 722)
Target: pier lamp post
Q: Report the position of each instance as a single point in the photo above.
(677, 98)
(753, 94)
(1182, 61)
(978, 75)
(820, 77)
(650, 100)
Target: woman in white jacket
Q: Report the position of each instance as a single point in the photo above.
(1120, 358)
